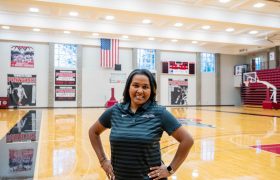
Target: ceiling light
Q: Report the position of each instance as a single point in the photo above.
(110, 17)
(253, 32)
(125, 37)
(224, 1)
(151, 38)
(230, 29)
(67, 32)
(259, 5)
(73, 13)
(206, 27)
(174, 40)
(36, 29)
(178, 24)
(95, 34)
(146, 21)
(194, 42)
(5, 27)
(33, 9)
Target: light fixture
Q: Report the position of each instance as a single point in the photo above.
(73, 13)
(67, 32)
(194, 42)
(33, 9)
(259, 5)
(5, 27)
(109, 17)
(95, 34)
(36, 29)
(146, 21)
(174, 40)
(125, 37)
(178, 24)
(230, 29)
(151, 38)
(253, 32)
(206, 27)
(224, 1)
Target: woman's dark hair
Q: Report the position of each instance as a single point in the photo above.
(153, 84)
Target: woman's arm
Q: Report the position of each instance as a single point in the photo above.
(186, 142)
(94, 135)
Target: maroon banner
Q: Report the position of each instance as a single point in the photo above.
(65, 93)
(65, 77)
(3, 102)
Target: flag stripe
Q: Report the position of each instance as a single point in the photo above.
(109, 53)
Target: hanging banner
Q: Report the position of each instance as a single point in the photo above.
(65, 93)
(21, 90)
(65, 77)
(178, 91)
(22, 56)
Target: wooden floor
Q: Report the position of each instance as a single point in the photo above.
(239, 143)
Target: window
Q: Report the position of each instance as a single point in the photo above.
(258, 63)
(146, 59)
(207, 62)
(65, 56)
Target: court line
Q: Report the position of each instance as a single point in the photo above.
(251, 114)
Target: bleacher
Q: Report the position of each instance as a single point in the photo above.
(255, 93)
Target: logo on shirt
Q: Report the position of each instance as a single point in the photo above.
(148, 116)
(124, 115)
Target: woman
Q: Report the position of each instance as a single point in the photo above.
(136, 126)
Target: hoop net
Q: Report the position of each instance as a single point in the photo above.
(250, 77)
(246, 83)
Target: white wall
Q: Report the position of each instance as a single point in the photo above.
(96, 86)
(208, 89)
(183, 57)
(230, 95)
(41, 64)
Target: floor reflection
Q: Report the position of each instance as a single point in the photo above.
(19, 148)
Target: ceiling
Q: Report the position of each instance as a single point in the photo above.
(53, 19)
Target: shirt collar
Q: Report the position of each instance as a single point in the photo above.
(144, 106)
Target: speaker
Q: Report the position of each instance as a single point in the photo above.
(118, 67)
(164, 67)
(191, 68)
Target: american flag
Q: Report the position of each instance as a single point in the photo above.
(109, 53)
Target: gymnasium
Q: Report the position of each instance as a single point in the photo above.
(64, 62)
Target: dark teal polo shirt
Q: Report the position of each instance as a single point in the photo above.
(135, 137)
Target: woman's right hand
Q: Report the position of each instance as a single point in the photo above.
(108, 168)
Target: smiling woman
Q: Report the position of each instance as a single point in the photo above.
(137, 125)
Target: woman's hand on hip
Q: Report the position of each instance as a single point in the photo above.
(159, 172)
(108, 168)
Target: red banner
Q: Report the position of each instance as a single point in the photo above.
(3, 102)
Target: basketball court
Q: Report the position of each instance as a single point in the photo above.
(230, 143)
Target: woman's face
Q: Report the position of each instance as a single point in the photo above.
(139, 90)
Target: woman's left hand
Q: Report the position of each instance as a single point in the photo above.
(159, 172)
